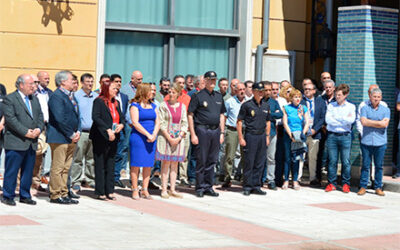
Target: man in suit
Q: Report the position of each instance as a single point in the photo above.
(24, 123)
(121, 157)
(63, 133)
(317, 109)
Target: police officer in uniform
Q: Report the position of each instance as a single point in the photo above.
(206, 123)
(255, 114)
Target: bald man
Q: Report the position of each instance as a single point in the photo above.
(233, 85)
(43, 93)
(130, 88)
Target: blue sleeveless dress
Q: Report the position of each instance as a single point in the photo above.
(142, 152)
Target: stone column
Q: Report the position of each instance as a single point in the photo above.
(367, 54)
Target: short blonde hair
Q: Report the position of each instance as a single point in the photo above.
(294, 93)
(177, 87)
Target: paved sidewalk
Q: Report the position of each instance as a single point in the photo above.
(305, 219)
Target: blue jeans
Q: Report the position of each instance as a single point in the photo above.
(289, 165)
(121, 158)
(378, 152)
(339, 144)
(191, 171)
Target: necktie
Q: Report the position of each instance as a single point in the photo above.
(310, 102)
(27, 105)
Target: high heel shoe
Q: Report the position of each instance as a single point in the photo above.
(175, 194)
(111, 197)
(164, 195)
(145, 194)
(135, 197)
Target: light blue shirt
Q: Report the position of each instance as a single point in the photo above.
(374, 136)
(295, 121)
(339, 118)
(232, 106)
(85, 104)
(129, 90)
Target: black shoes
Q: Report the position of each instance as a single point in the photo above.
(72, 195)
(315, 183)
(254, 191)
(28, 201)
(64, 201)
(258, 191)
(59, 201)
(211, 192)
(272, 186)
(70, 201)
(199, 194)
(119, 184)
(9, 202)
(227, 184)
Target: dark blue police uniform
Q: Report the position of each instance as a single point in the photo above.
(254, 117)
(206, 107)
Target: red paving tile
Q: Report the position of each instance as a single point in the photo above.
(13, 220)
(343, 206)
(237, 229)
(391, 241)
(307, 245)
(222, 248)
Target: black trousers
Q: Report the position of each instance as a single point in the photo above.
(255, 153)
(206, 157)
(104, 161)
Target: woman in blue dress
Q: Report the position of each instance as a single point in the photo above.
(142, 140)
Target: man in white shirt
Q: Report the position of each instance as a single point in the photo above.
(340, 116)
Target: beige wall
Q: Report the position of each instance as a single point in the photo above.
(31, 40)
(289, 29)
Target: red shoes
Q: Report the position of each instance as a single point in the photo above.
(330, 187)
(346, 188)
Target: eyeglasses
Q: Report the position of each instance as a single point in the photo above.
(36, 82)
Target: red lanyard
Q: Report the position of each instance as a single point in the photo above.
(112, 110)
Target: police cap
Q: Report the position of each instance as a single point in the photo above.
(258, 86)
(210, 75)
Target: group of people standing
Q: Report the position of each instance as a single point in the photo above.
(185, 129)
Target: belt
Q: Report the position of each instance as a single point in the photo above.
(86, 130)
(230, 128)
(256, 132)
(212, 127)
(339, 134)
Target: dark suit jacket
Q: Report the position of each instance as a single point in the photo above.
(125, 102)
(64, 121)
(18, 120)
(319, 115)
(102, 120)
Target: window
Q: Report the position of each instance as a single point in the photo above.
(168, 37)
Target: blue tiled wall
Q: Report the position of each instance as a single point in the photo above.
(366, 54)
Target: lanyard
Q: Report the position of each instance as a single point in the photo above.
(112, 110)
